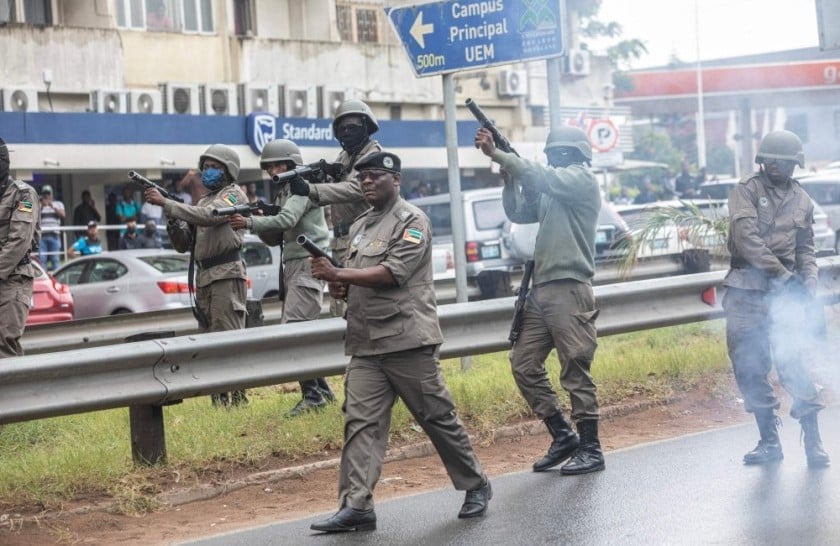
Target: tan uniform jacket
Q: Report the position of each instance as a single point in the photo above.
(345, 196)
(385, 320)
(20, 228)
(771, 234)
(214, 236)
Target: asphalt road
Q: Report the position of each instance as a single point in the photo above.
(688, 490)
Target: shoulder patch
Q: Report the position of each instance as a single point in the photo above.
(412, 235)
(230, 198)
(24, 206)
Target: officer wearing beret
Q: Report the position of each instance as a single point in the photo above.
(393, 337)
(20, 234)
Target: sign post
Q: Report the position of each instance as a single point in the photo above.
(448, 36)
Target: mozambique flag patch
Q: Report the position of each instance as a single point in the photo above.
(230, 198)
(25, 206)
(412, 235)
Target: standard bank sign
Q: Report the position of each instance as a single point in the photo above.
(262, 128)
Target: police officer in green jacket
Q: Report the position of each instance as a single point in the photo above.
(303, 295)
(560, 309)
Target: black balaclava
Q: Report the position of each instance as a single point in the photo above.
(353, 138)
(4, 163)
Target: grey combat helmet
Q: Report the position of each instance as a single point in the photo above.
(781, 145)
(355, 107)
(569, 137)
(225, 155)
(280, 150)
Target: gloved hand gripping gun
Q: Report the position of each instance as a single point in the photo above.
(315, 250)
(248, 209)
(314, 172)
(146, 183)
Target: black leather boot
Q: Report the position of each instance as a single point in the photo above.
(564, 443)
(347, 519)
(588, 457)
(814, 452)
(768, 449)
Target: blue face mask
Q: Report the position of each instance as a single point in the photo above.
(211, 178)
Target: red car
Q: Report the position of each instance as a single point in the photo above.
(51, 300)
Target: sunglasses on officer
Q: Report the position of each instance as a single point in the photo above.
(373, 175)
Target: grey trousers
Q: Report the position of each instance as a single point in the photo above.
(761, 329)
(372, 385)
(15, 297)
(558, 315)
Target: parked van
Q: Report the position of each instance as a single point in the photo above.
(824, 188)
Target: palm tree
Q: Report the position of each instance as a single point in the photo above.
(699, 233)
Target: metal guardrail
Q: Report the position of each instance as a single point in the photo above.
(110, 330)
(157, 372)
(161, 371)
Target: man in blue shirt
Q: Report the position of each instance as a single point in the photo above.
(89, 244)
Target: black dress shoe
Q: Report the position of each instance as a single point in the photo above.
(475, 503)
(347, 519)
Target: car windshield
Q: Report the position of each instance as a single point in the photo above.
(167, 264)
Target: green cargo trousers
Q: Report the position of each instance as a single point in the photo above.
(558, 315)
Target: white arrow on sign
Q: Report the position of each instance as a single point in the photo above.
(419, 30)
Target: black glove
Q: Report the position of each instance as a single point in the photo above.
(299, 186)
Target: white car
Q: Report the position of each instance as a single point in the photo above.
(672, 239)
(263, 264)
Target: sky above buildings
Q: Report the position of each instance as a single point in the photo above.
(728, 28)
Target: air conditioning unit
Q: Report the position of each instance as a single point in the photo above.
(109, 101)
(577, 63)
(145, 101)
(181, 98)
(259, 97)
(513, 83)
(300, 102)
(220, 99)
(331, 99)
(18, 99)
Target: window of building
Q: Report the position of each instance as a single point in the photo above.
(358, 21)
(344, 19)
(198, 15)
(243, 17)
(165, 15)
(367, 30)
(32, 12)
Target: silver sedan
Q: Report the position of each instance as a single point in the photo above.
(126, 281)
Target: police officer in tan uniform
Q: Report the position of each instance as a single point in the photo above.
(220, 279)
(393, 337)
(303, 294)
(773, 270)
(20, 235)
(353, 125)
